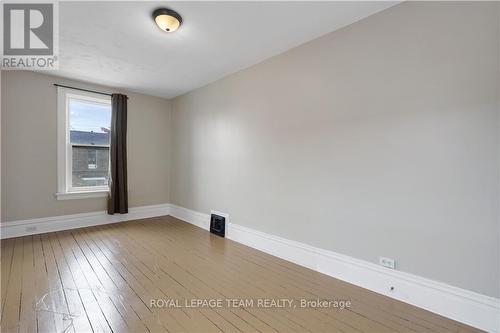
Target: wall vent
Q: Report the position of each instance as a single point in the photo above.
(218, 225)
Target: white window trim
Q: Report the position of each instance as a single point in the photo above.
(82, 194)
(64, 160)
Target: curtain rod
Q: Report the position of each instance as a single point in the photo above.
(81, 89)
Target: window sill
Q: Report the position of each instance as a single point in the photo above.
(82, 195)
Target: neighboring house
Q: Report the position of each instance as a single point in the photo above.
(90, 158)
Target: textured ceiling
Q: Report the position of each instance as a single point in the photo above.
(118, 44)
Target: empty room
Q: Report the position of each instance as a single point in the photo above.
(250, 166)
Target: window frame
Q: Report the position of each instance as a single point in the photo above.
(64, 146)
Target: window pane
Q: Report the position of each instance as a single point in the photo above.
(89, 124)
(90, 166)
(88, 116)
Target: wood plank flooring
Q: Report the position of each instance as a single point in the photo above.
(104, 278)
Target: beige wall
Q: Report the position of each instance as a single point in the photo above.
(380, 139)
(29, 151)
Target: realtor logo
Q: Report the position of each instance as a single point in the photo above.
(28, 29)
(29, 35)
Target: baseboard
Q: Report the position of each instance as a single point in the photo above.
(198, 219)
(462, 305)
(66, 222)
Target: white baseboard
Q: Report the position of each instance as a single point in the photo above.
(66, 222)
(462, 305)
(198, 219)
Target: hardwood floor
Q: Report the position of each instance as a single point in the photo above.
(104, 278)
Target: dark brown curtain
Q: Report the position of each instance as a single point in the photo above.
(118, 195)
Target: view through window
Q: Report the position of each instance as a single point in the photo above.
(89, 138)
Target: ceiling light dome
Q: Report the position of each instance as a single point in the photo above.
(167, 19)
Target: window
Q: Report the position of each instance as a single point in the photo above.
(92, 160)
(84, 121)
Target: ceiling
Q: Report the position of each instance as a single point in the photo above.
(117, 44)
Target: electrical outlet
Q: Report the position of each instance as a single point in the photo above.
(387, 262)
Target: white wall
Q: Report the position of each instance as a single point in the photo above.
(380, 139)
(29, 149)
(0, 147)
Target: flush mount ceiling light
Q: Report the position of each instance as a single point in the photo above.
(167, 19)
